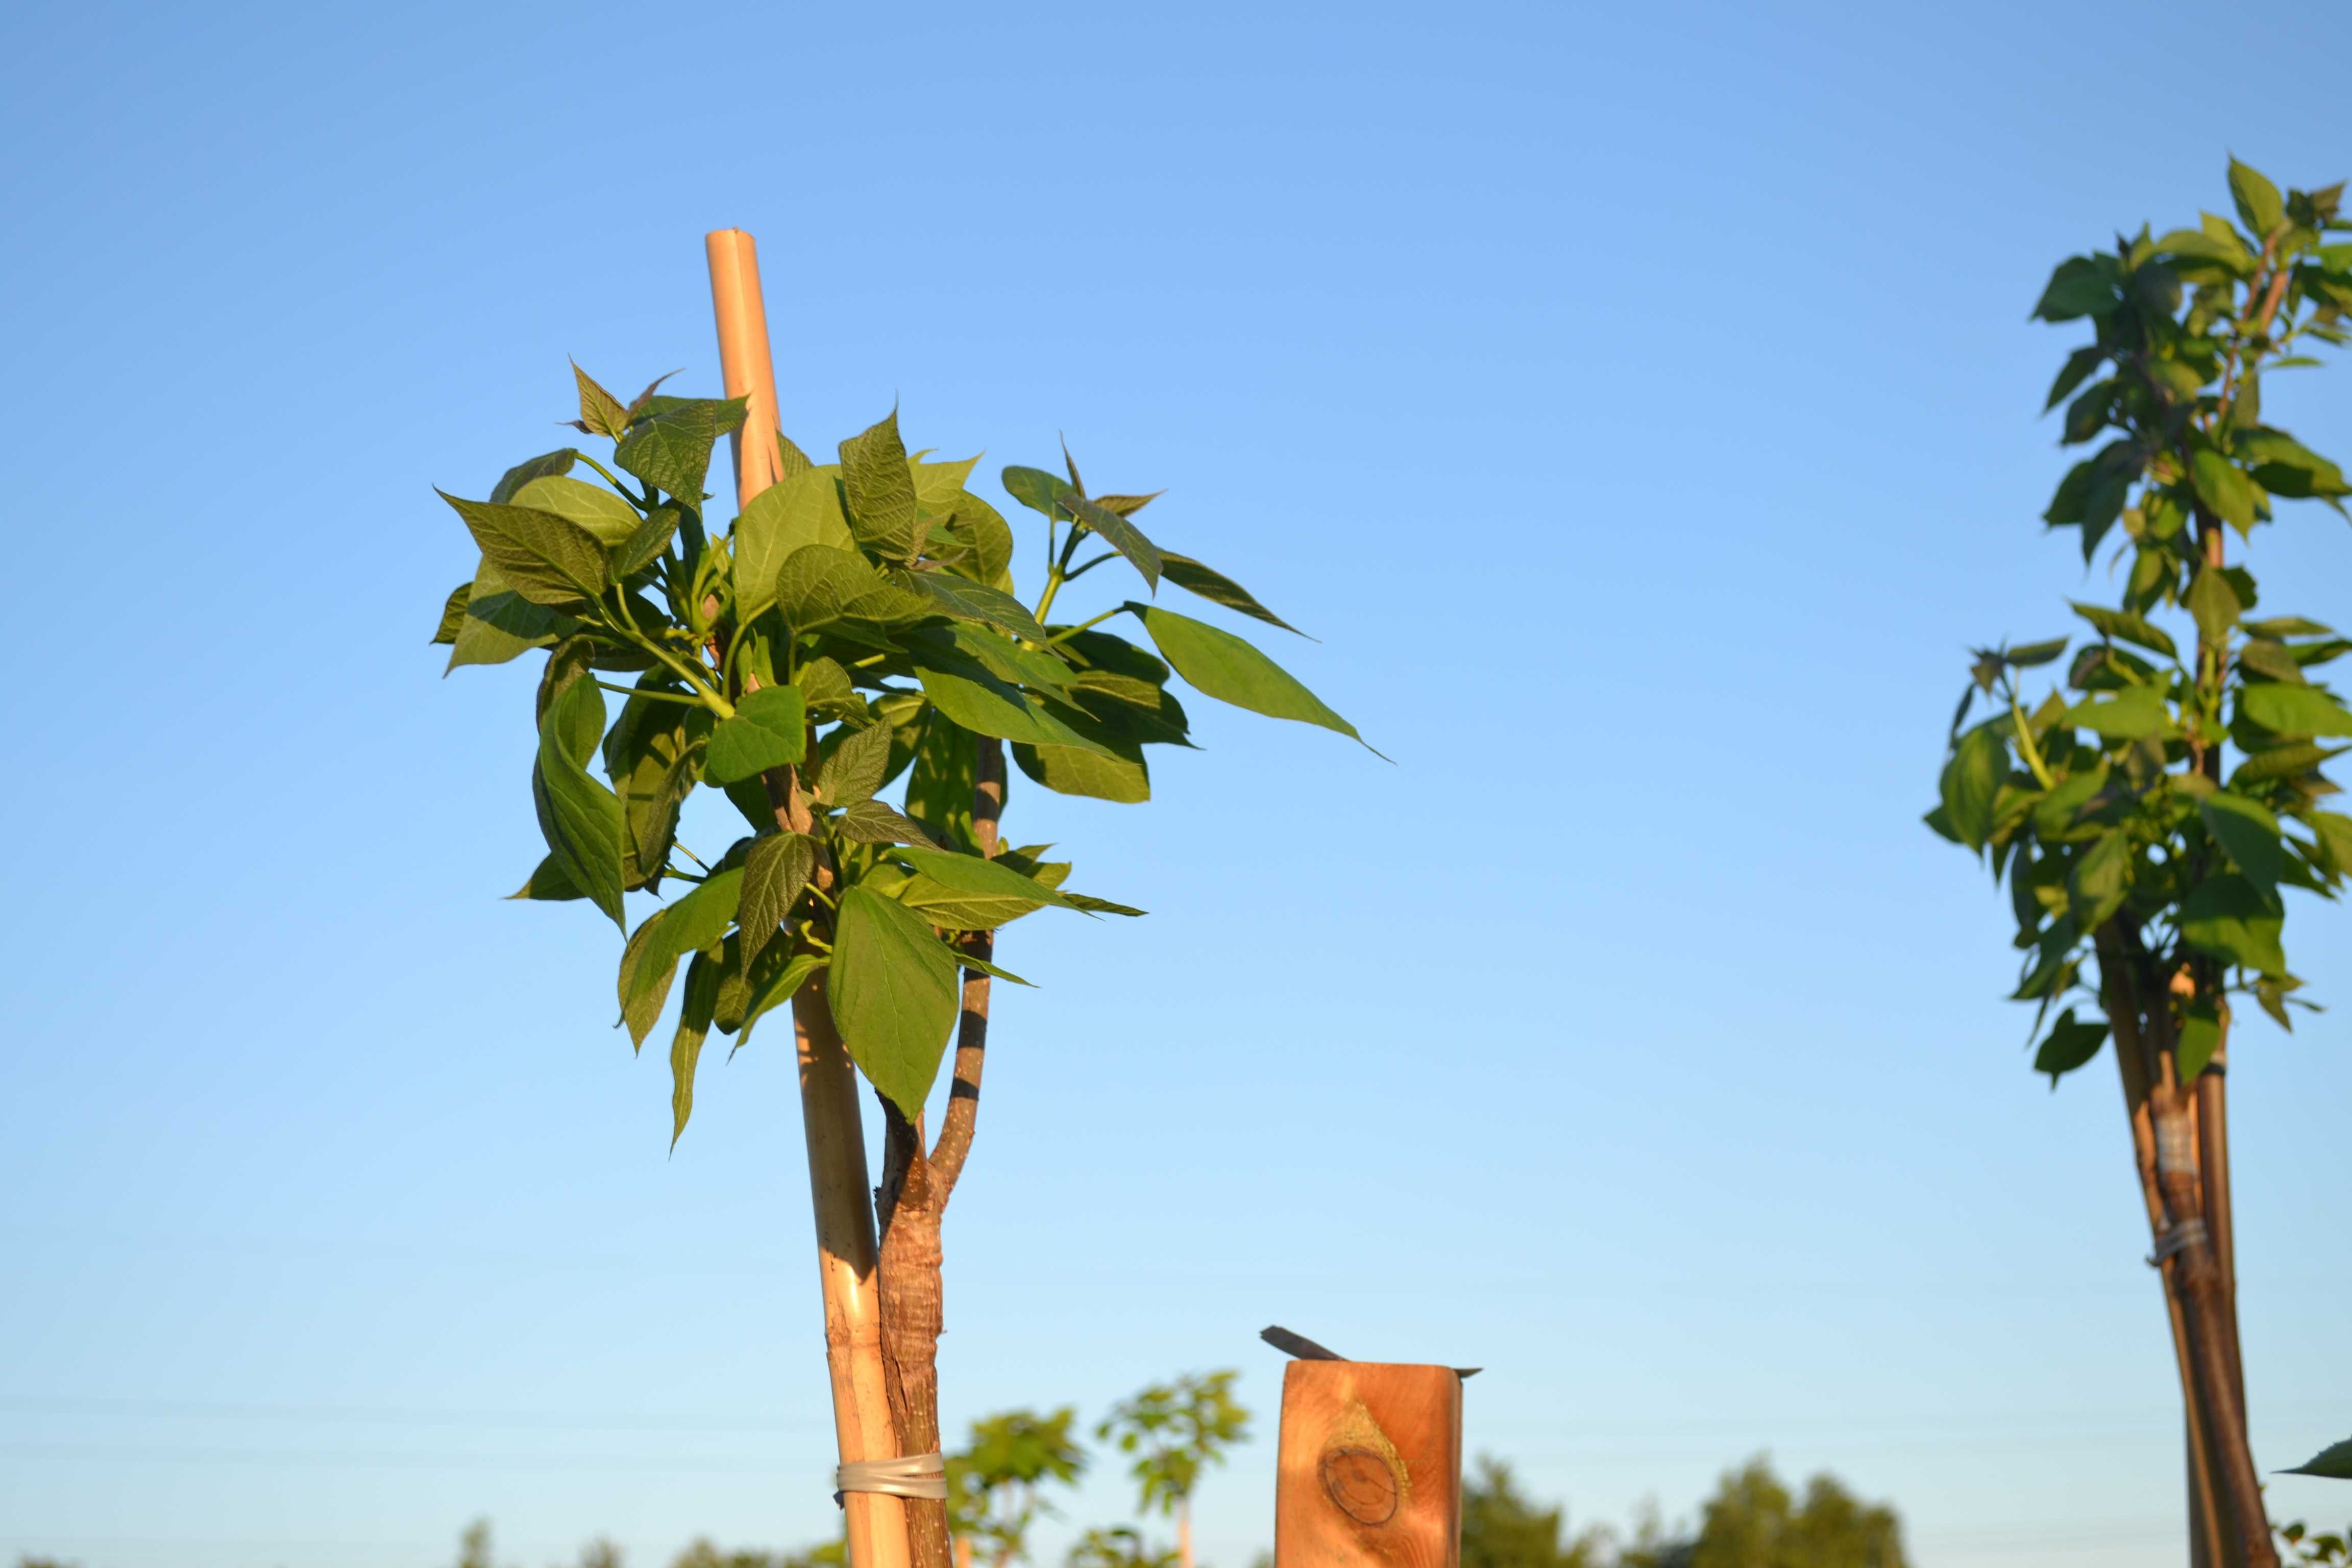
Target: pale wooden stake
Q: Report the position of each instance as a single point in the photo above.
(1368, 1469)
(839, 1189)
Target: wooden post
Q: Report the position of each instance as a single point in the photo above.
(1369, 1473)
(839, 1189)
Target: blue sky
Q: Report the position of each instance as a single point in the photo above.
(1636, 402)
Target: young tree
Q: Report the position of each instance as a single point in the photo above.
(994, 1484)
(1174, 1429)
(855, 624)
(2149, 816)
(1119, 1546)
(1752, 1522)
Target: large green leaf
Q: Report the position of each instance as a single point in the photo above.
(872, 821)
(800, 511)
(774, 871)
(694, 922)
(998, 655)
(2233, 919)
(546, 558)
(969, 601)
(1971, 779)
(2285, 466)
(819, 586)
(895, 995)
(653, 752)
(1118, 534)
(559, 461)
(669, 445)
(2224, 487)
(601, 413)
(500, 624)
(2128, 627)
(2214, 604)
(1228, 669)
(547, 883)
(580, 819)
(1097, 776)
(852, 764)
(988, 706)
(2335, 1461)
(2080, 287)
(780, 976)
(984, 882)
(1217, 588)
(2249, 832)
(612, 520)
(2099, 881)
(2296, 710)
(453, 613)
(2070, 1045)
(1036, 490)
(2259, 205)
(942, 781)
(2125, 715)
(694, 1014)
(770, 730)
(883, 510)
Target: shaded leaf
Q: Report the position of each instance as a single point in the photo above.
(776, 868)
(580, 818)
(547, 883)
(1970, 781)
(2296, 710)
(883, 511)
(1096, 776)
(2249, 832)
(1218, 588)
(2070, 1045)
(2334, 1460)
(2232, 919)
(769, 731)
(2128, 714)
(559, 461)
(852, 764)
(895, 995)
(2123, 626)
(1118, 534)
(694, 1014)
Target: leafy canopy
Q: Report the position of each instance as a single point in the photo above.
(856, 626)
(2166, 789)
(1173, 1429)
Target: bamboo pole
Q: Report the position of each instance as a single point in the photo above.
(838, 1187)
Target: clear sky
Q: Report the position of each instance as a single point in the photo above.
(1637, 402)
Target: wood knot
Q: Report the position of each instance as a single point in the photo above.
(1361, 1484)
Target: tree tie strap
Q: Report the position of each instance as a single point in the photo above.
(2188, 1233)
(912, 1475)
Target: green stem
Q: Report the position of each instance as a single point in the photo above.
(1068, 631)
(2025, 745)
(610, 479)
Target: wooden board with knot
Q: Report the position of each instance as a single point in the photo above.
(1370, 1470)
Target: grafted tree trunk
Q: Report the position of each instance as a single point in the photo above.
(912, 1202)
(2188, 1217)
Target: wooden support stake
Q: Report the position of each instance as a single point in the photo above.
(839, 1189)
(1369, 1473)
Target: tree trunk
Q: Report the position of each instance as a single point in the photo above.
(2188, 1216)
(912, 1202)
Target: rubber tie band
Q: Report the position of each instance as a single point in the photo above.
(2187, 1234)
(912, 1475)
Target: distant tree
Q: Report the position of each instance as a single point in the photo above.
(992, 1484)
(1173, 1429)
(1752, 1522)
(704, 1554)
(1501, 1528)
(600, 1554)
(1117, 1547)
(474, 1548)
(44, 1562)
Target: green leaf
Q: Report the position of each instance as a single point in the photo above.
(645, 546)
(826, 687)
(883, 510)
(2259, 206)
(547, 883)
(601, 413)
(580, 818)
(2080, 287)
(969, 601)
(2285, 466)
(2335, 1460)
(975, 885)
(1971, 782)
(1096, 776)
(1036, 490)
(1095, 906)
(2128, 714)
(502, 624)
(2262, 656)
(669, 445)
(559, 461)
(2233, 919)
(871, 822)
(852, 764)
(1218, 588)
(895, 995)
(2097, 885)
(694, 922)
(652, 754)
(777, 867)
(801, 510)
(988, 706)
(770, 730)
(1228, 669)
(1002, 656)
(453, 613)
(548, 558)
(819, 585)
(694, 1016)
(2201, 1037)
(2297, 710)
(2034, 653)
(1118, 534)
(973, 961)
(2214, 604)
(612, 520)
(2124, 626)
(2249, 832)
(2284, 762)
(941, 785)
(2334, 833)
(2224, 487)
(777, 989)
(2070, 1045)
(2078, 368)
